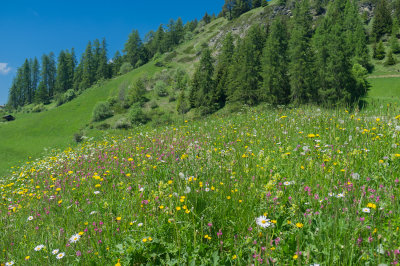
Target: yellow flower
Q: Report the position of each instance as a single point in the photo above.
(295, 257)
(118, 218)
(299, 225)
(27, 257)
(178, 208)
(144, 240)
(58, 189)
(118, 264)
(371, 205)
(289, 222)
(229, 197)
(273, 221)
(59, 202)
(161, 207)
(234, 257)
(80, 233)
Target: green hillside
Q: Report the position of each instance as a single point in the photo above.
(32, 134)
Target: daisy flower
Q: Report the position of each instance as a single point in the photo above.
(139, 224)
(366, 210)
(55, 251)
(74, 238)
(96, 192)
(340, 195)
(263, 222)
(61, 255)
(10, 263)
(30, 218)
(39, 248)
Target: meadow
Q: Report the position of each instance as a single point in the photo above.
(282, 187)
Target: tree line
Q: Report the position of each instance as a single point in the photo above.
(290, 61)
(43, 82)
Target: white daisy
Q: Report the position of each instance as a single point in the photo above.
(206, 189)
(263, 222)
(10, 263)
(330, 194)
(340, 195)
(39, 248)
(30, 218)
(366, 210)
(96, 192)
(93, 212)
(74, 238)
(55, 251)
(60, 256)
(287, 183)
(140, 224)
(141, 189)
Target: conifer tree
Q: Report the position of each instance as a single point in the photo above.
(116, 63)
(390, 61)
(26, 83)
(182, 106)
(133, 47)
(379, 51)
(203, 94)
(222, 69)
(103, 71)
(276, 86)
(382, 23)
(394, 44)
(51, 74)
(245, 73)
(62, 81)
(88, 68)
(302, 65)
(335, 80)
(35, 72)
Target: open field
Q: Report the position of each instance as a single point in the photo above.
(296, 186)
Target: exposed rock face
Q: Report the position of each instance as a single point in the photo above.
(366, 9)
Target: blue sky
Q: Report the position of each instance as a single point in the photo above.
(32, 28)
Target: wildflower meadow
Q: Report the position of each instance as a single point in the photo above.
(266, 187)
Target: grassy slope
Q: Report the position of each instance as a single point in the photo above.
(30, 134)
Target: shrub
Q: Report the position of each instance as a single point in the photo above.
(103, 126)
(38, 108)
(112, 101)
(122, 123)
(78, 137)
(125, 68)
(68, 96)
(161, 88)
(101, 111)
(153, 105)
(137, 116)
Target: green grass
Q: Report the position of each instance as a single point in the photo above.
(30, 134)
(384, 91)
(190, 193)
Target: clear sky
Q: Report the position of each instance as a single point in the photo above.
(32, 28)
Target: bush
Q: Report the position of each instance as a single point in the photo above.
(112, 101)
(161, 88)
(153, 105)
(103, 126)
(101, 111)
(122, 123)
(137, 116)
(78, 137)
(68, 96)
(38, 108)
(125, 68)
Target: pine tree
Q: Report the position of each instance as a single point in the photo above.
(35, 72)
(394, 44)
(335, 80)
(26, 83)
(379, 51)
(203, 84)
(132, 48)
(302, 65)
(136, 94)
(206, 18)
(228, 8)
(51, 74)
(396, 9)
(222, 69)
(182, 106)
(103, 71)
(62, 80)
(390, 61)
(116, 63)
(245, 73)
(42, 95)
(71, 64)
(276, 86)
(382, 20)
(88, 68)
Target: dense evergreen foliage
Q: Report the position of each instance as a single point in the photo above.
(289, 62)
(35, 83)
